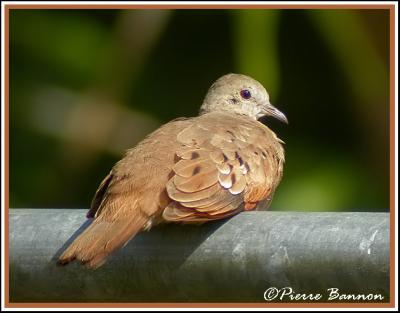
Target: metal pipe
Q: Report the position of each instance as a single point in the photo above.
(235, 260)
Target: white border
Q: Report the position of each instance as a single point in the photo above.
(202, 2)
(210, 3)
(396, 153)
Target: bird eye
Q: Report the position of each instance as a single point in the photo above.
(246, 94)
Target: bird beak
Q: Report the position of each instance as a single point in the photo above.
(270, 110)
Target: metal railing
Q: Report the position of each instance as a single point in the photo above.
(237, 260)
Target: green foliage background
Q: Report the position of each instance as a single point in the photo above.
(87, 84)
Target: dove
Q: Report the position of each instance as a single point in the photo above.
(190, 170)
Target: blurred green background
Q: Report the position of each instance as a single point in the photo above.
(87, 84)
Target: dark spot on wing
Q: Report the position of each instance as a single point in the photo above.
(239, 158)
(233, 179)
(196, 170)
(171, 174)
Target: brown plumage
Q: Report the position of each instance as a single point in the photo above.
(190, 170)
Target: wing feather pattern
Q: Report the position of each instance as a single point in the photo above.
(224, 166)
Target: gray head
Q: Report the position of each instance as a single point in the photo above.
(240, 94)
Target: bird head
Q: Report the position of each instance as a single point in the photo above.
(242, 95)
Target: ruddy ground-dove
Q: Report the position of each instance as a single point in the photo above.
(190, 170)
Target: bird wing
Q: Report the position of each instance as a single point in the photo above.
(99, 195)
(225, 165)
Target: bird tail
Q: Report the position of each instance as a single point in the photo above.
(100, 239)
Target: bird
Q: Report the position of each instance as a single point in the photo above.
(190, 170)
